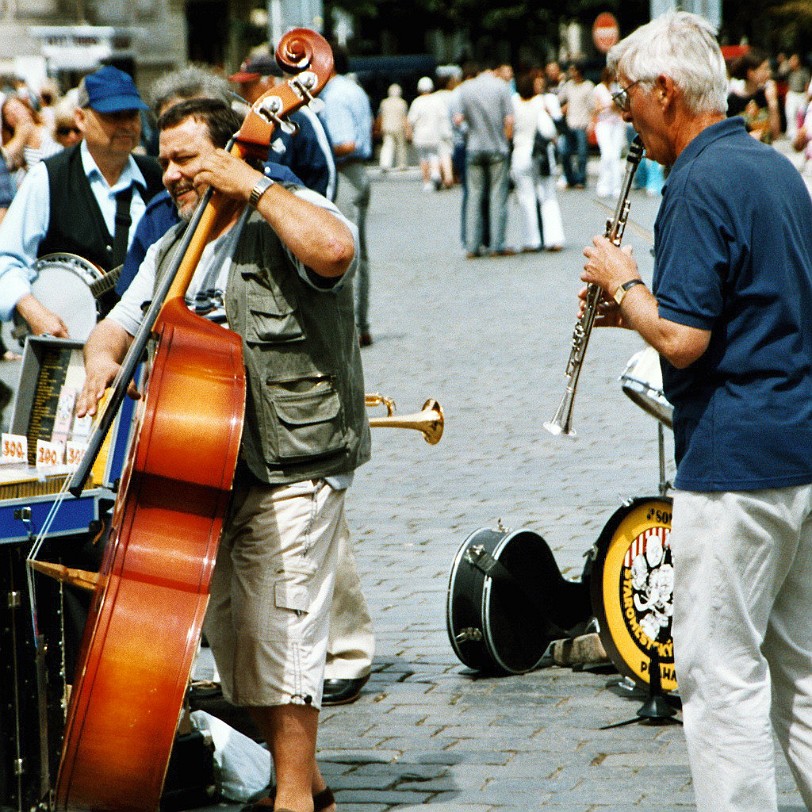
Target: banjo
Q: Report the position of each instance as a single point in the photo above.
(73, 288)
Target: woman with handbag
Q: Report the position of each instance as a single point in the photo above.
(531, 167)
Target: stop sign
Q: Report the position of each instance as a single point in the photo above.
(605, 31)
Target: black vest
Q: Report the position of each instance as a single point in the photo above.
(76, 224)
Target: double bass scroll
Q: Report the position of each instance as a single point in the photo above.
(301, 52)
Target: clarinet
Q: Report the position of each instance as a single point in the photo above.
(561, 424)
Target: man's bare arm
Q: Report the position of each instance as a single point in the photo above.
(104, 351)
(40, 319)
(610, 267)
(317, 238)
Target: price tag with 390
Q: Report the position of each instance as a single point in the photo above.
(74, 451)
(50, 455)
(14, 448)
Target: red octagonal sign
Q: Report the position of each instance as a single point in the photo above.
(605, 31)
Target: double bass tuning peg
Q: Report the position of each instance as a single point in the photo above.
(269, 109)
(304, 84)
(316, 105)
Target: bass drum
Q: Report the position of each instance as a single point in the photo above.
(507, 601)
(632, 585)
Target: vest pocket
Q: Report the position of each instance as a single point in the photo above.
(308, 425)
(272, 322)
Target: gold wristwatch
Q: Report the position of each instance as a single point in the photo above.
(623, 289)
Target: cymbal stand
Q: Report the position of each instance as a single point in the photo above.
(656, 710)
(664, 485)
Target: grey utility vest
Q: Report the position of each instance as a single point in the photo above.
(305, 416)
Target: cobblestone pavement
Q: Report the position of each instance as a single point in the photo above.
(489, 339)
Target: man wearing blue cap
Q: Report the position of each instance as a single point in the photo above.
(86, 200)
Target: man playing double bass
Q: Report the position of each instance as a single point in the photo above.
(279, 272)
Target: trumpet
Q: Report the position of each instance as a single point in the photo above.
(561, 424)
(429, 420)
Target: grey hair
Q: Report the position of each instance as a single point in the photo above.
(189, 83)
(682, 46)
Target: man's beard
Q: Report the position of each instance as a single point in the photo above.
(187, 209)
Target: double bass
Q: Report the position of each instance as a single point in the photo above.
(151, 595)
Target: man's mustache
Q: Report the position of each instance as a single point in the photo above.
(178, 189)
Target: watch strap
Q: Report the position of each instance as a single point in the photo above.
(260, 187)
(623, 289)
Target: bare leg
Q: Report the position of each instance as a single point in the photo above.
(290, 731)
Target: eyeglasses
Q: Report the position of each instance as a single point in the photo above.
(65, 131)
(621, 98)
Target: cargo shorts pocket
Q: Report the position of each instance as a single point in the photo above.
(291, 595)
(309, 425)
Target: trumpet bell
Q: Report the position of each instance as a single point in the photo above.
(430, 420)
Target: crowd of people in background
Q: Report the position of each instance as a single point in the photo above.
(559, 119)
(485, 128)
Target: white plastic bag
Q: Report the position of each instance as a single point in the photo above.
(243, 766)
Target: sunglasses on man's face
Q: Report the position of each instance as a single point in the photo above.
(67, 130)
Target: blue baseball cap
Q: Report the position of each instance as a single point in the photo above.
(109, 90)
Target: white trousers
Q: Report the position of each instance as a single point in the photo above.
(611, 137)
(794, 104)
(351, 644)
(743, 641)
(393, 151)
(532, 190)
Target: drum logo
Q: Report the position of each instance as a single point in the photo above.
(647, 589)
(633, 590)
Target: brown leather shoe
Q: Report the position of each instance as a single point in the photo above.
(364, 340)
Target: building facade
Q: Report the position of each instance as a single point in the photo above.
(66, 39)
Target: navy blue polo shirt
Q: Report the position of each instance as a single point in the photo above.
(733, 255)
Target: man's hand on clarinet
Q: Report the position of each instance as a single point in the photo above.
(608, 314)
(607, 266)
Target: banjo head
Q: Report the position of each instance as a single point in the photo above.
(62, 285)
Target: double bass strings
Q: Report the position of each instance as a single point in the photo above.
(32, 557)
